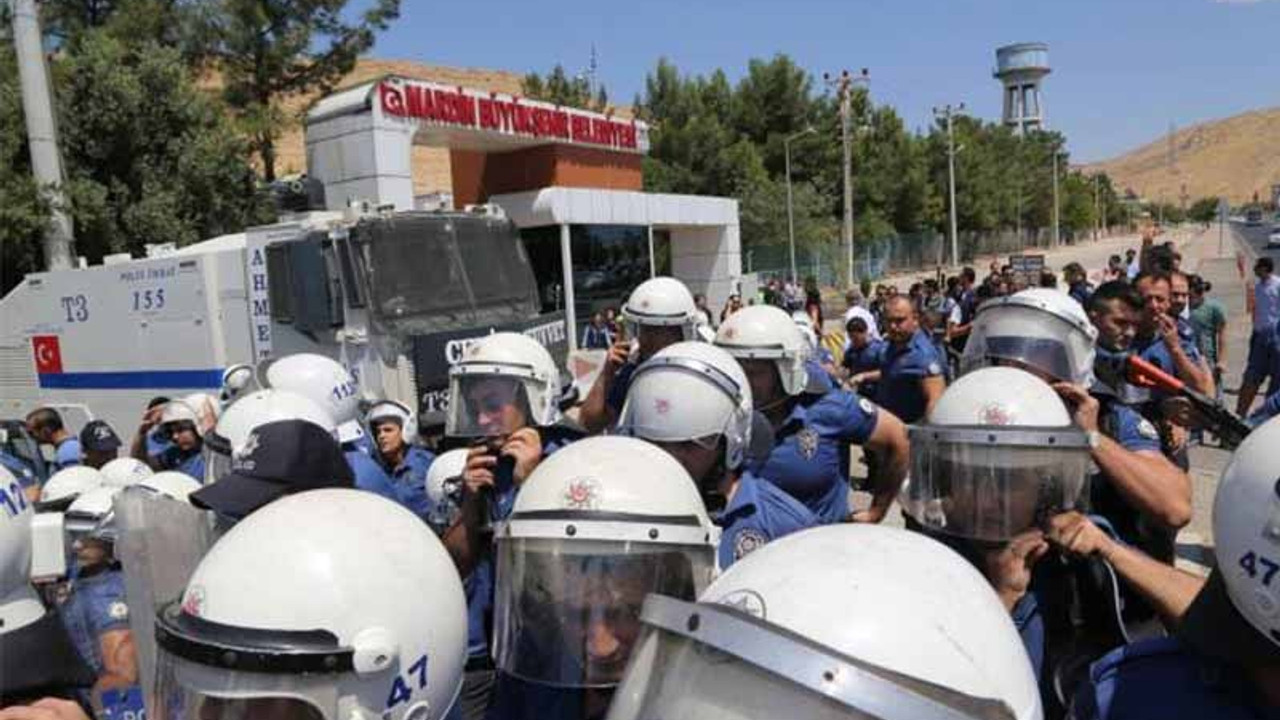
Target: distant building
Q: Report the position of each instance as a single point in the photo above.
(1021, 68)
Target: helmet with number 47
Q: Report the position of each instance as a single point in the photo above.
(1235, 618)
(300, 611)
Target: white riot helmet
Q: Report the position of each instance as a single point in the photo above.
(36, 655)
(444, 486)
(775, 637)
(89, 509)
(596, 527)
(805, 324)
(397, 413)
(236, 381)
(199, 409)
(325, 382)
(661, 302)
(1040, 329)
(998, 455)
(300, 609)
(1246, 529)
(764, 332)
(244, 415)
(496, 371)
(124, 471)
(170, 484)
(690, 391)
(66, 485)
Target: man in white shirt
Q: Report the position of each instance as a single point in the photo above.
(856, 310)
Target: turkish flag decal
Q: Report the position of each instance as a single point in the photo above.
(48, 353)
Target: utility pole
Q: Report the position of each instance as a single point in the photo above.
(844, 84)
(42, 136)
(1057, 236)
(791, 219)
(948, 113)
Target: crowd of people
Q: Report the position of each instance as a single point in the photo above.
(684, 542)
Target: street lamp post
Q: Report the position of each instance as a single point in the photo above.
(948, 113)
(791, 218)
(1057, 236)
(844, 87)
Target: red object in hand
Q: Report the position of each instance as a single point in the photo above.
(48, 353)
(1145, 374)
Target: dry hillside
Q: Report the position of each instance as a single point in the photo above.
(1235, 157)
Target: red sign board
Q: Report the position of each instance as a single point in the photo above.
(48, 353)
(507, 115)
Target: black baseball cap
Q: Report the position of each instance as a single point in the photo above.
(98, 436)
(1215, 628)
(279, 458)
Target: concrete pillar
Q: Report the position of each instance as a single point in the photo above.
(708, 260)
(566, 267)
(362, 157)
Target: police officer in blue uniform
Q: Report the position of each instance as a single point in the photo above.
(1224, 660)
(45, 425)
(693, 400)
(503, 400)
(182, 422)
(660, 312)
(393, 429)
(94, 609)
(812, 433)
(1139, 490)
(912, 376)
(863, 357)
(157, 442)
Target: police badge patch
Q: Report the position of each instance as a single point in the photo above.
(867, 406)
(807, 443)
(747, 541)
(934, 369)
(118, 611)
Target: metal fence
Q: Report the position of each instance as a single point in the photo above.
(875, 259)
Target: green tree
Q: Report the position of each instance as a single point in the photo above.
(557, 87)
(149, 157)
(1204, 210)
(271, 50)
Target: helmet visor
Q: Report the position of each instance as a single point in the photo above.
(990, 484)
(488, 405)
(568, 613)
(209, 670)
(1032, 339)
(697, 661)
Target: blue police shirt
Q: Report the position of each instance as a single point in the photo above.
(25, 476)
(1133, 432)
(96, 605)
(479, 585)
(190, 463)
(1030, 623)
(1154, 351)
(617, 396)
(1162, 678)
(819, 379)
(66, 454)
(758, 513)
(904, 369)
(157, 443)
(810, 457)
(409, 480)
(1269, 409)
(369, 475)
(868, 359)
(1080, 292)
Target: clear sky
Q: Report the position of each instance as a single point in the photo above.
(1123, 70)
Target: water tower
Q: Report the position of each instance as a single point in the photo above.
(1021, 68)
